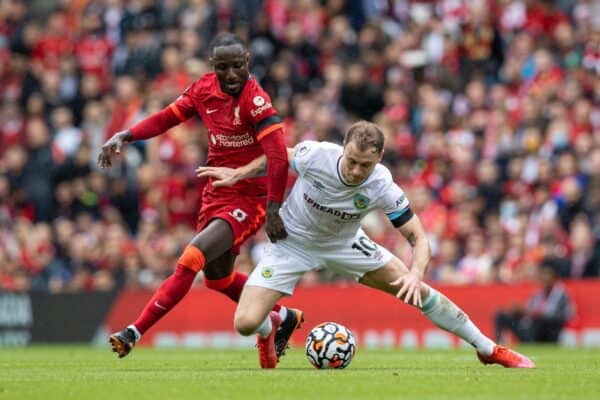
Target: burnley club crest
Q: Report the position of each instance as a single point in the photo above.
(361, 201)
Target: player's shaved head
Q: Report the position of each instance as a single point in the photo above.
(365, 135)
(226, 39)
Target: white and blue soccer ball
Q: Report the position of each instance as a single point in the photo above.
(330, 345)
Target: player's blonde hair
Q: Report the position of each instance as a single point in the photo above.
(366, 135)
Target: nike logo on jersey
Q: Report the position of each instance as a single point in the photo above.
(159, 306)
(209, 111)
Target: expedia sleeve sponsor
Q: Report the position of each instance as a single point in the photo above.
(255, 104)
(257, 111)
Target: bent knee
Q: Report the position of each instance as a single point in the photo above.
(245, 325)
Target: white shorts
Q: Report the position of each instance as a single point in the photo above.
(284, 262)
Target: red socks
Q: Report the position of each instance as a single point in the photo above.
(166, 297)
(231, 286)
(175, 287)
(172, 290)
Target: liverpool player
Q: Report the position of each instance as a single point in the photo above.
(242, 125)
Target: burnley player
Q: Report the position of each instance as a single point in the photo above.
(336, 187)
(242, 125)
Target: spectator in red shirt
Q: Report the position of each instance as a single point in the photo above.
(94, 50)
(174, 78)
(128, 105)
(543, 17)
(54, 44)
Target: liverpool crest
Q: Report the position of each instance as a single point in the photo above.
(236, 116)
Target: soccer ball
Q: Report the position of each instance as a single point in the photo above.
(330, 345)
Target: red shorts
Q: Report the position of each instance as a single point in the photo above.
(245, 215)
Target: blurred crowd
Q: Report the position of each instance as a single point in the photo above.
(491, 111)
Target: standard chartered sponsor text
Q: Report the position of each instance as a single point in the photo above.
(234, 140)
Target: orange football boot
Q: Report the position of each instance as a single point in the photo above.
(507, 358)
(267, 354)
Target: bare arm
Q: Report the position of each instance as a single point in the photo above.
(258, 166)
(415, 234)
(147, 128)
(228, 176)
(410, 284)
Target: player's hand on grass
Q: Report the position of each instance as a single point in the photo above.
(113, 145)
(274, 227)
(409, 288)
(222, 176)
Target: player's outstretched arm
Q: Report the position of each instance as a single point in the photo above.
(224, 176)
(147, 128)
(410, 284)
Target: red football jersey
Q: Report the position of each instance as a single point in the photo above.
(233, 140)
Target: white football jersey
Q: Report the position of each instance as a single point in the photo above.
(322, 207)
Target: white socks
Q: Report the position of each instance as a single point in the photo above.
(283, 312)
(264, 328)
(138, 335)
(446, 315)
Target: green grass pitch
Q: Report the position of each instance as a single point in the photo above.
(71, 372)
